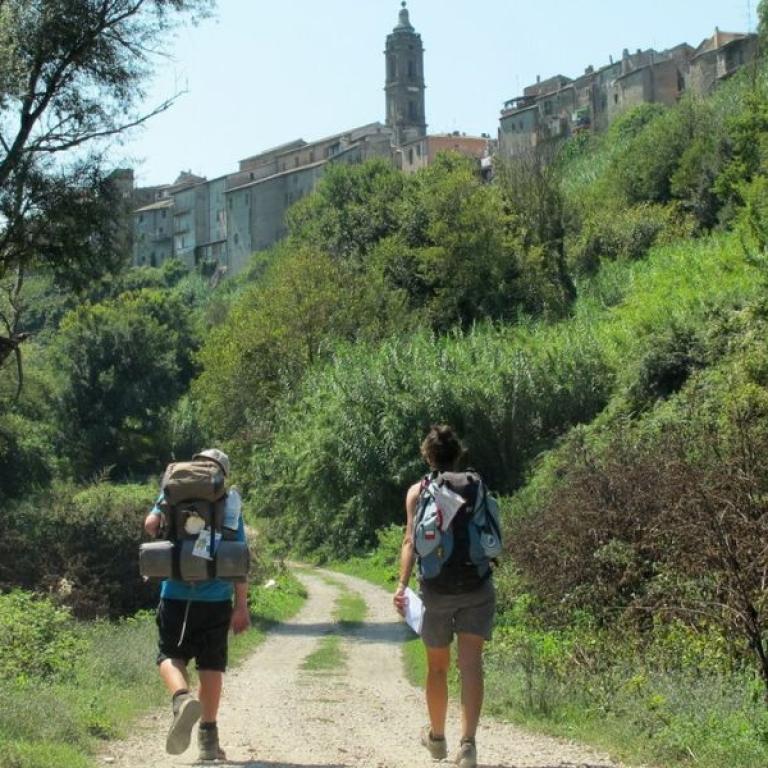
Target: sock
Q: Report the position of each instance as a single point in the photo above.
(435, 738)
(208, 726)
(468, 740)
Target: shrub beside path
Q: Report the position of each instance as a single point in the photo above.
(362, 714)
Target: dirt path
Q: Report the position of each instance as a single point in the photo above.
(276, 714)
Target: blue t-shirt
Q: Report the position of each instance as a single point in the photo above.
(210, 591)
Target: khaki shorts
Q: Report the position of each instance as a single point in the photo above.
(468, 613)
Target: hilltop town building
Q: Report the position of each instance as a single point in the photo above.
(560, 106)
(421, 152)
(228, 219)
(266, 185)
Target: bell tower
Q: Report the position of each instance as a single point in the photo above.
(405, 81)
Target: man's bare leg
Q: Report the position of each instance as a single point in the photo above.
(174, 674)
(209, 693)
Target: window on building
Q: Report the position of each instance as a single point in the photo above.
(252, 175)
(311, 155)
(247, 199)
(411, 70)
(230, 203)
(615, 98)
(141, 218)
(411, 110)
(418, 150)
(162, 213)
(237, 238)
(391, 67)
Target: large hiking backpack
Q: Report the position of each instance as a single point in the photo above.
(456, 531)
(199, 530)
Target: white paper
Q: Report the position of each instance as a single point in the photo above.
(414, 610)
(202, 546)
(449, 503)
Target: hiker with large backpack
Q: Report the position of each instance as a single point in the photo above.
(200, 551)
(453, 536)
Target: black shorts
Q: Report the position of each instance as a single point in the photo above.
(204, 638)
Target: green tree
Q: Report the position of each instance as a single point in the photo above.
(353, 208)
(307, 301)
(468, 251)
(71, 77)
(122, 365)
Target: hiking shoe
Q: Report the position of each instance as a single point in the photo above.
(208, 744)
(466, 756)
(437, 747)
(186, 712)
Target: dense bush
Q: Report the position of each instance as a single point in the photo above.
(664, 517)
(623, 233)
(81, 546)
(37, 638)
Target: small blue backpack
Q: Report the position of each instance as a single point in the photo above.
(459, 558)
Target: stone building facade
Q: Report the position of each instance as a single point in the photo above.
(267, 185)
(719, 57)
(560, 106)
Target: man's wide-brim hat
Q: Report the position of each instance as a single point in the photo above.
(215, 455)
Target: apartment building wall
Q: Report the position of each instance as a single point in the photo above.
(714, 62)
(519, 131)
(212, 243)
(153, 234)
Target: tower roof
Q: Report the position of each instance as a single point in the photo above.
(404, 23)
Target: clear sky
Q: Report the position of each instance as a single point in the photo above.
(259, 74)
